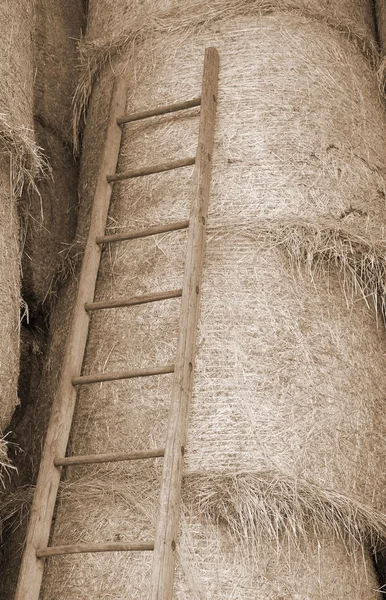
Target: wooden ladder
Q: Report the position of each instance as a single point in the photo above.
(54, 454)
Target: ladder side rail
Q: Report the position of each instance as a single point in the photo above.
(31, 573)
(170, 495)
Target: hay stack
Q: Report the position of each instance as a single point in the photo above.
(20, 164)
(283, 487)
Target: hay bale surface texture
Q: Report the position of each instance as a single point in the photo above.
(19, 164)
(284, 483)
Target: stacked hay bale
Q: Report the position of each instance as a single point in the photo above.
(284, 486)
(20, 165)
(51, 218)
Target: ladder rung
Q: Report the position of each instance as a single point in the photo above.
(92, 459)
(109, 547)
(99, 377)
(161, 110)
(168, 166)
(140, 233)
(133, 301)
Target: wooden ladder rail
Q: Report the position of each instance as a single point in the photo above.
(59, 427)
(165, 544)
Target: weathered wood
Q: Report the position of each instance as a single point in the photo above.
(31, 572)
(167, 166)
(93, 459)
(141, 233)
(115, 375)
(133, 301)
(161, 110)
(170, 497)
(82, 548)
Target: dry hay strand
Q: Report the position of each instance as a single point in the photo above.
(58, 26)
(145, 21)
(27, 161)
(289, 367)
(15, 507)
(5, 464)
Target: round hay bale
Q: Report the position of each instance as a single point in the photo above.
(353, 15)
(16, 23)
(9, 298)
(16, 93)
(285, 439)
(58, 27)
(124, 25)
(20, 163)
(50, 220)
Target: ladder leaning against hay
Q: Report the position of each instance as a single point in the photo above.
(54, 459)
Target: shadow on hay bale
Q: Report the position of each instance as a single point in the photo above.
(49, 221)
(284, 484)
(58, 29)
(50, 215)
(21, 165)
